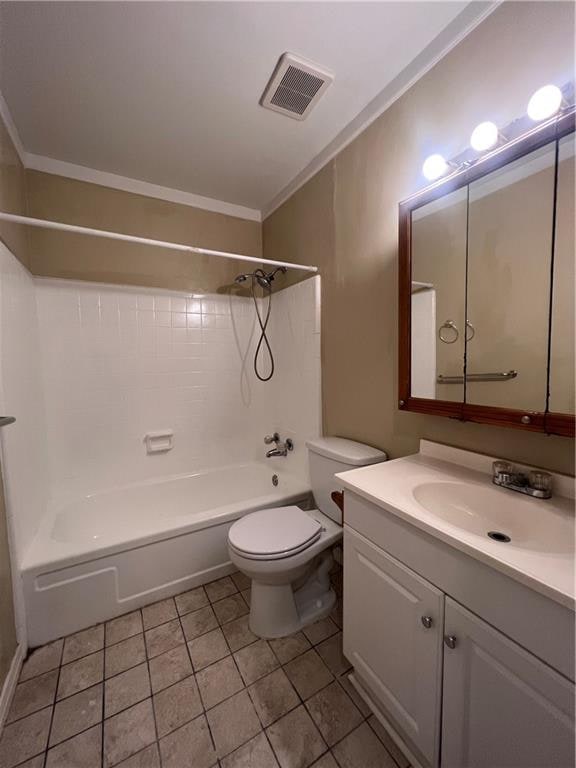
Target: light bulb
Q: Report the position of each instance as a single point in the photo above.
(545, 102)
(434, 166)
(484, 136)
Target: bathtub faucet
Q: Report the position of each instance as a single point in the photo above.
(282, 446)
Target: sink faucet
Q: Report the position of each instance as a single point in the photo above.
(535, 483)
(282, 446)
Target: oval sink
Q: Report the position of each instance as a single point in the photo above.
(480, 511)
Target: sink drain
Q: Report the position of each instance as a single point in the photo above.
(497, 536)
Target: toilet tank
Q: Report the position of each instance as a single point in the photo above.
(328, 455)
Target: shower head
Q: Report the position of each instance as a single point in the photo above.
(264, 280)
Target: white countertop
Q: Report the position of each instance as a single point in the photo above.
(415, 488)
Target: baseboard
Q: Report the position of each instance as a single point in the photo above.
(10, 684)
(391, 730)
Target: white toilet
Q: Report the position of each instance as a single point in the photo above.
(287, 551)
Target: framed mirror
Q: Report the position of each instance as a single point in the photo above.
(486, 284)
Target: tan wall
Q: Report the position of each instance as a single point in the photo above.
(57, 254)
(345, 220)
(12, 196)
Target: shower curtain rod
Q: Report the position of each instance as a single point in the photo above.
(43, 223)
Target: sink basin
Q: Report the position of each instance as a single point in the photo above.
(482, 510)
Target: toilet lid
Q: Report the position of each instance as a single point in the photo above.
(274, 532)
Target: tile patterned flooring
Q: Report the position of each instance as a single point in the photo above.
(184, 683)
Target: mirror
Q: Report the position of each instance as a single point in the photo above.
(562, 340)
(487, 272)
(509, 257)
(438, 296)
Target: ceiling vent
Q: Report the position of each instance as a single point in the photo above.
(295, 87)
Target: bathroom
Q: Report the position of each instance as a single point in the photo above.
(184, 580)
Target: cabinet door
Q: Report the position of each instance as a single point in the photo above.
(393, 637)
(502, 707)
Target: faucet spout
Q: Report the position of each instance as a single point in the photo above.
(282, 446)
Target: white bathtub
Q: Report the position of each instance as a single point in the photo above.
(113, 551)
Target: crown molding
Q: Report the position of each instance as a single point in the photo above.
(6, 118)
(473, 15)
(137, 187)
(454, 33)
(113, 180)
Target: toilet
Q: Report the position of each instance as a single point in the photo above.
(286, 551)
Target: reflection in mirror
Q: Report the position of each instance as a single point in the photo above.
(438, 293)
(563, 320)
(509, 258)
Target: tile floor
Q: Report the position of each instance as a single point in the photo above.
(184, 683)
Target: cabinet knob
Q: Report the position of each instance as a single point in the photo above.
(450, 641)
(427, 621)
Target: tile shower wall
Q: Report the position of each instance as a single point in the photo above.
(23, 443)
(120, 362)
(293, 401)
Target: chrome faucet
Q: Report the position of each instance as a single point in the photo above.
(282, 446)
(535, 483)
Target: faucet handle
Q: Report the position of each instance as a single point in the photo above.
(540, 481)
(502, 470)
(271, 438)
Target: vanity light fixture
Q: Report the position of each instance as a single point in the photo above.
(484, 136)
(544, 103)
(434, 167)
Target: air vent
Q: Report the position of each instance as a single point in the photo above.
(295, 87)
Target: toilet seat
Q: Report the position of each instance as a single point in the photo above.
(271, 534)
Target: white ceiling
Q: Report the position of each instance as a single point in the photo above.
(168, 92)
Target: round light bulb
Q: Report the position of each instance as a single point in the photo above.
(434, 166)
(484, 136)
(545, 102)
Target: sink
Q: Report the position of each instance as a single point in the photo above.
(511, 519)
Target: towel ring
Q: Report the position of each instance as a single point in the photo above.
(446, 330)
(449, 327)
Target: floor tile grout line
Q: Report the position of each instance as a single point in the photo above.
(203, 714)
(44, 762)
(246, 686)
(394, 761)
(104, 697)
(157, 740)
(301, 702)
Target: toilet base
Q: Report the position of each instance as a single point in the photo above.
(277, 610)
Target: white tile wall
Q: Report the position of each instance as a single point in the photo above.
(294, 399)
(119, 362)
(23, 443)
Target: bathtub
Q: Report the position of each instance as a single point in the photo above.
(113, 551)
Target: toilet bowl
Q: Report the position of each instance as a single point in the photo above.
(287, 551)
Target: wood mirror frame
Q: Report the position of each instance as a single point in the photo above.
(533, 421)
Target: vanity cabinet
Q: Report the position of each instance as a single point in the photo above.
(455, 688)
(394, 624)
(501, 705)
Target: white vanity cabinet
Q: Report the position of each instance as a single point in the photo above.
(453, 685)
(501, 705)
(393, 624)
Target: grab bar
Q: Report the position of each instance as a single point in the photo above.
(5, 420)
(504, 376)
